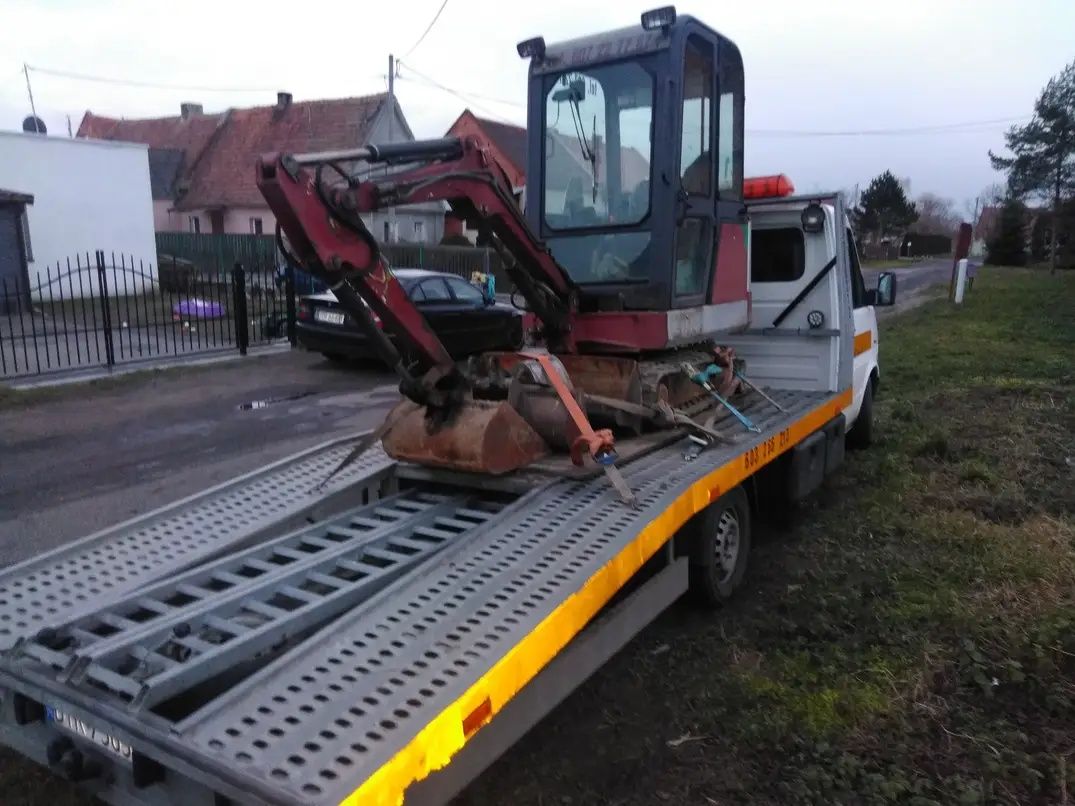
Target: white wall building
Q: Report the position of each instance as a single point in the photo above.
(87, 195)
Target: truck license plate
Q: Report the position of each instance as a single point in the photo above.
(73, 724)
(329, 317)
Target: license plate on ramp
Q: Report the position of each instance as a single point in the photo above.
(72, 724)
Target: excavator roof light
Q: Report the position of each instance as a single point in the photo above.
(659, 18)
(767, 187)
(532, 48)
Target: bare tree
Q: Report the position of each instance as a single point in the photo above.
(936, 215)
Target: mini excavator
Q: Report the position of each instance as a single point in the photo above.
(630, 260)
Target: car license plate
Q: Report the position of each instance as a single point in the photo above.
(73, 724)
(329, 317)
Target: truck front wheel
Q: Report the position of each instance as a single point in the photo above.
(719, 541)
(861, 434)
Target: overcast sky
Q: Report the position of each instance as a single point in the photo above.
(811, 65)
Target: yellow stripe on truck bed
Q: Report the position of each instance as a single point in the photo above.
(434, 746)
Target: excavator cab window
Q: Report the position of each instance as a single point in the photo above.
(598, 153)
(635, 171)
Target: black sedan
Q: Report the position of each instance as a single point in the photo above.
(464, 320)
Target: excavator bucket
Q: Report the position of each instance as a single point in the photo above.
(482, 437)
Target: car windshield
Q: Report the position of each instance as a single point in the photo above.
(598, 147)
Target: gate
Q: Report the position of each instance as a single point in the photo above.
(104, 310)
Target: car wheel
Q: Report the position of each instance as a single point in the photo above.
(719, 545)
(861, 434)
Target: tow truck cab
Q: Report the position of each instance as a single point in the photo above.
(803, 263)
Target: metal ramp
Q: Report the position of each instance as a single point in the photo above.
(55, 586)
(168, 638)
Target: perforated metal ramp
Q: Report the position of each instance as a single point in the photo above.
(86, 575)
(170, 637)
(316, 724)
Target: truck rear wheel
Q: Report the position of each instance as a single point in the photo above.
(719, 541)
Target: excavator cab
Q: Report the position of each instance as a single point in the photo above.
(635, 175)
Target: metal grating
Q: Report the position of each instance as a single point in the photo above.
(54, 587)
(319, 721)
(166, 639)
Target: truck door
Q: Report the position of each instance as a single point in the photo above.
(865, 319)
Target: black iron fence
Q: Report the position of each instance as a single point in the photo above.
(106, 309)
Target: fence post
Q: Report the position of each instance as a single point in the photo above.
(242, 323)
(106, 308)
(289, 291)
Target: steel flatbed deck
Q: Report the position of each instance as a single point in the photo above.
(266, 642)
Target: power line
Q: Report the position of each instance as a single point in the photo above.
(133, 83)
(427, 80)
(967, 126)
(427, 30)
(465, 98)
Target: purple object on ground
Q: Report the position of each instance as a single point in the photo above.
(197, 309)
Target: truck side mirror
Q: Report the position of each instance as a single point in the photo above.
(886, 289)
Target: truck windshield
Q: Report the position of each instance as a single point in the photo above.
(598, 147)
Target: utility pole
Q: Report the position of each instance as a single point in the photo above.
(392, 234)
(30, 92)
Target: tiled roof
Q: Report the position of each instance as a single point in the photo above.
(225, 175)
(189, 134)
(218, 151)
(165, 169)
(511, 140)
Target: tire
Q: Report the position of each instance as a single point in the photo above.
(861, 434)
(719, 548)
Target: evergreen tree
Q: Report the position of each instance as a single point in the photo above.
(1008, 246)
(1043, 161)
(884, 208)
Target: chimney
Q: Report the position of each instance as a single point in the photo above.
(283, 101)
(189, 110)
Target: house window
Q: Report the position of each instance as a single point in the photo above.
(419, 230)
(194, 223)
(255, 226)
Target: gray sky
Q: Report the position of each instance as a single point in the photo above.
(810, 66)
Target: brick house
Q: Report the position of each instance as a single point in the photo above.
(202, 165)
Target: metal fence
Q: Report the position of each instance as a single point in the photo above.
(104, 309)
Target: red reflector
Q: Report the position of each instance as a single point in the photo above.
(714, 494)
(767, 187)
(478, 717)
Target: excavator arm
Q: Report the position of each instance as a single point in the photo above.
(321, 217)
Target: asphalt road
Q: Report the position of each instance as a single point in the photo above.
(85, 458)
(913, 278)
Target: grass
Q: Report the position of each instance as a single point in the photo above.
(911, 640)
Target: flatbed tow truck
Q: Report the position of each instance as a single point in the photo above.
(383, 636)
